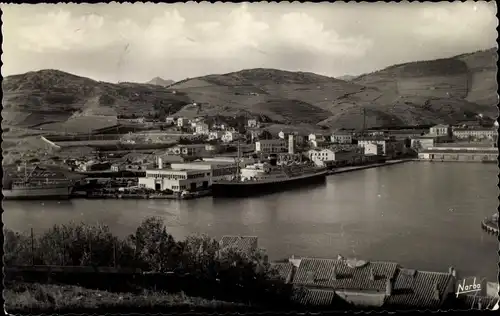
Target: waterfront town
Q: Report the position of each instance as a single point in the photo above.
(185, 156)
(248, 158)
(205, 154)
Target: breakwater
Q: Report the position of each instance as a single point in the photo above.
(490, 226)
(363, 167)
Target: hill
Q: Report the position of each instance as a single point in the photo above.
(423, 92)
(157, 81)
(52, 99)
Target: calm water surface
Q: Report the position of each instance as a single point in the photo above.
(422, 215)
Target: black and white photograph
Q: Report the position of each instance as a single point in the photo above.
(249, 157)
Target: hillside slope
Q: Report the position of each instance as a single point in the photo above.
(424, 92)
(35, 99)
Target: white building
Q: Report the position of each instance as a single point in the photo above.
(440, 130)
(373, 149)
(202, 129)
(475, 133)
(322, 157)
(192, 150)
(117, 167)
(316, 137)
(390, 148)
(252, 123)
(182, 122)
(215, 135)
(282, 135)
(175, 180)
(229, 136)
(271, 146)
(194, 176)
(340, 137)
(218, 169)
(170, 120)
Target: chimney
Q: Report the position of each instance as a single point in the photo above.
(291, 144)
(160, 163)
(372, 275)
(310, 277)
(437, 296)
(334, 273)
(388, 287)
(451, 270)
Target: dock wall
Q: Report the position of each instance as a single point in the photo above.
(50, 143)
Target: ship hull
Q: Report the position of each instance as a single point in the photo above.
(38, 194)
(246, 189)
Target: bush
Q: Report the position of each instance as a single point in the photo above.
(201, 267)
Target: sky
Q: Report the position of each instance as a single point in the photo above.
(136, 42)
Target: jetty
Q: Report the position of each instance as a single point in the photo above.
(369, 166)
(490, 224)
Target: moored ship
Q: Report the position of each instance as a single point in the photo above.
(269, 177)
(37, 184)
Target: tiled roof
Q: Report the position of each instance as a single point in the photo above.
(246, 244)
(314, 297)
(417, 288)
(337, 274)
(284, 269)
(473, 301)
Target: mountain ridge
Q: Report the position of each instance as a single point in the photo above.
(413, 93)
(158, 81)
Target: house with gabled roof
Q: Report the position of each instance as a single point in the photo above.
(357, 282)
(420, 289)
(285, 270)
(375, 284)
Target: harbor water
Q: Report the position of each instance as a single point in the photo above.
(419, 214)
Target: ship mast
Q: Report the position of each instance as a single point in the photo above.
(238, 163)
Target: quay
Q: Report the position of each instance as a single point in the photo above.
(490, 224)
(375, 165)
(139, 196)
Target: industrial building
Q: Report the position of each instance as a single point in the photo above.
(459, 154)
(270, 146)
(198, 175)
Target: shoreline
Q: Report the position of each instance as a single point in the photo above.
(375, 165)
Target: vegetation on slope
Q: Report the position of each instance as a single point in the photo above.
(197, 266)
(52, 96)
(50, 298)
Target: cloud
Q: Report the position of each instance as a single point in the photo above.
(170, 35)
(300, 29)
(59, 30)
(458, 22)
(136, 42)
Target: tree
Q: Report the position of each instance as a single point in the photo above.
(200, 254)
(154, 247)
